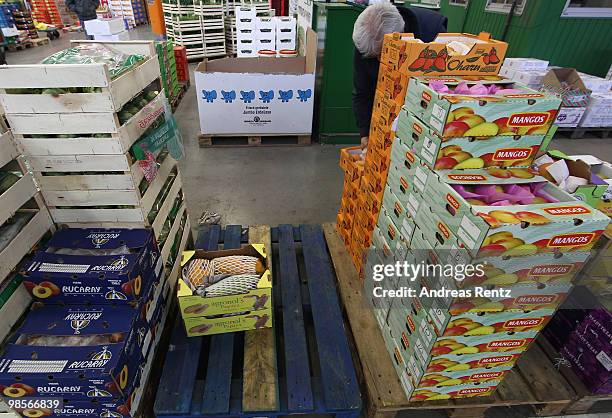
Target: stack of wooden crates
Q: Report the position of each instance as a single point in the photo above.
(86, 181)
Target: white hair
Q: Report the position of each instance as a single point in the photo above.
(373, 24)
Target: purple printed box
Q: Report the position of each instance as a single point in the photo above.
(94, 266)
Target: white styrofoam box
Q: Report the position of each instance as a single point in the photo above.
(246, 52)
(599, 111)
(569, 117)
(285, 44)
(265, 44)
(526, 64)
(10, 31)
(506, 72)
(246, 32)
(529, 77)
(104, 26)
(266, 26)
(246, 44)
(121, 36)
(245, 15)
(285, 24)
(596, 84)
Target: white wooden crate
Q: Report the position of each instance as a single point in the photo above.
(121, 139)
(133, 217)
(13, 309)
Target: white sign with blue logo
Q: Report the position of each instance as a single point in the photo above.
(245, 104)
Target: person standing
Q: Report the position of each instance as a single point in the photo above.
(368, 34)
(85, 10)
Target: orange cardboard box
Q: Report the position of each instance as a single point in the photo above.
(348, 157)
(450, 53)
(372, 205)
(385, 109)
(362, 237)
(377, 161)
(350, 191)
(381, 139)
(365, 221)
(392, 82)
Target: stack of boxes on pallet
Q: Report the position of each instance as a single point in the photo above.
(25, 25)
(241, 30)
(47, 12)
(457, 191)
(87, 161)
(103, 294)
(24, 220)
(168, 69)
(182, 66)
(582, 329)
(131, 11)
(198, 26)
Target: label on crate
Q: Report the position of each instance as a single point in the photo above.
(420, 178)
(413, 205)
(467, 231)
(605, 360)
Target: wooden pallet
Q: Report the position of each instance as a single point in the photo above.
(301, 366)
(252, 140)
(585, 400)
(19, 47)
(580, 132)
(40, 41)
(534, 381)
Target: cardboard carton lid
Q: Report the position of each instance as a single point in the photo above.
(556, 76)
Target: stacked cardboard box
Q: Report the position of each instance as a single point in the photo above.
(458, 166)
(404, 56)
(168, 69)
(182, 66)
(105, 297)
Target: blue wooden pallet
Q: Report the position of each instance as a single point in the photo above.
(203, 376)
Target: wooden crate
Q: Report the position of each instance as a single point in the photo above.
(535, 381)
(276, 377)
(22, 194)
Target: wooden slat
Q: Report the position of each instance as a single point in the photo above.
(545, 381)
(340, 387)
(7, 145)
(260, 377)
(175, 387)
(297, 370)
(53, 75)
(217, 386)
(383, 387)
(16, 196)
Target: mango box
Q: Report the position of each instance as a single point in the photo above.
(408, 378)
(385, 109)
(397, 237)
(449, 53)
(397, 211)
(469, 390)
(393, 82)
(452, 115)
(461, 152)
(105, 364)
(193, 305)
(380, 139)
(53, 276)
(568, 225)
(257, 319)
(350, 157)
(455, 379)
(378, 160)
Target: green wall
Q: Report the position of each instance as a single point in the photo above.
(540, 32)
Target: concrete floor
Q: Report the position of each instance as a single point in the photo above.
(267, 185)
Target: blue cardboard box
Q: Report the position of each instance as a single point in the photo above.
(94, 266)
(76, 352)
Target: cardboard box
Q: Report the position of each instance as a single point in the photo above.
(450, 53)
(105, 365)
(599, 111)
(392, 82)
(192, 305)
(596, 84)
(452, 153)
(525, 64)
(105, 26)
(121, 36)
(261, 318)
(528, 113)
(257, 96)
(569, 117)
(568, 225)
(566, 84)
(529, 78)
(56, 276)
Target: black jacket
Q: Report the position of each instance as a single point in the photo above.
(425, 24)
(84, 9)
